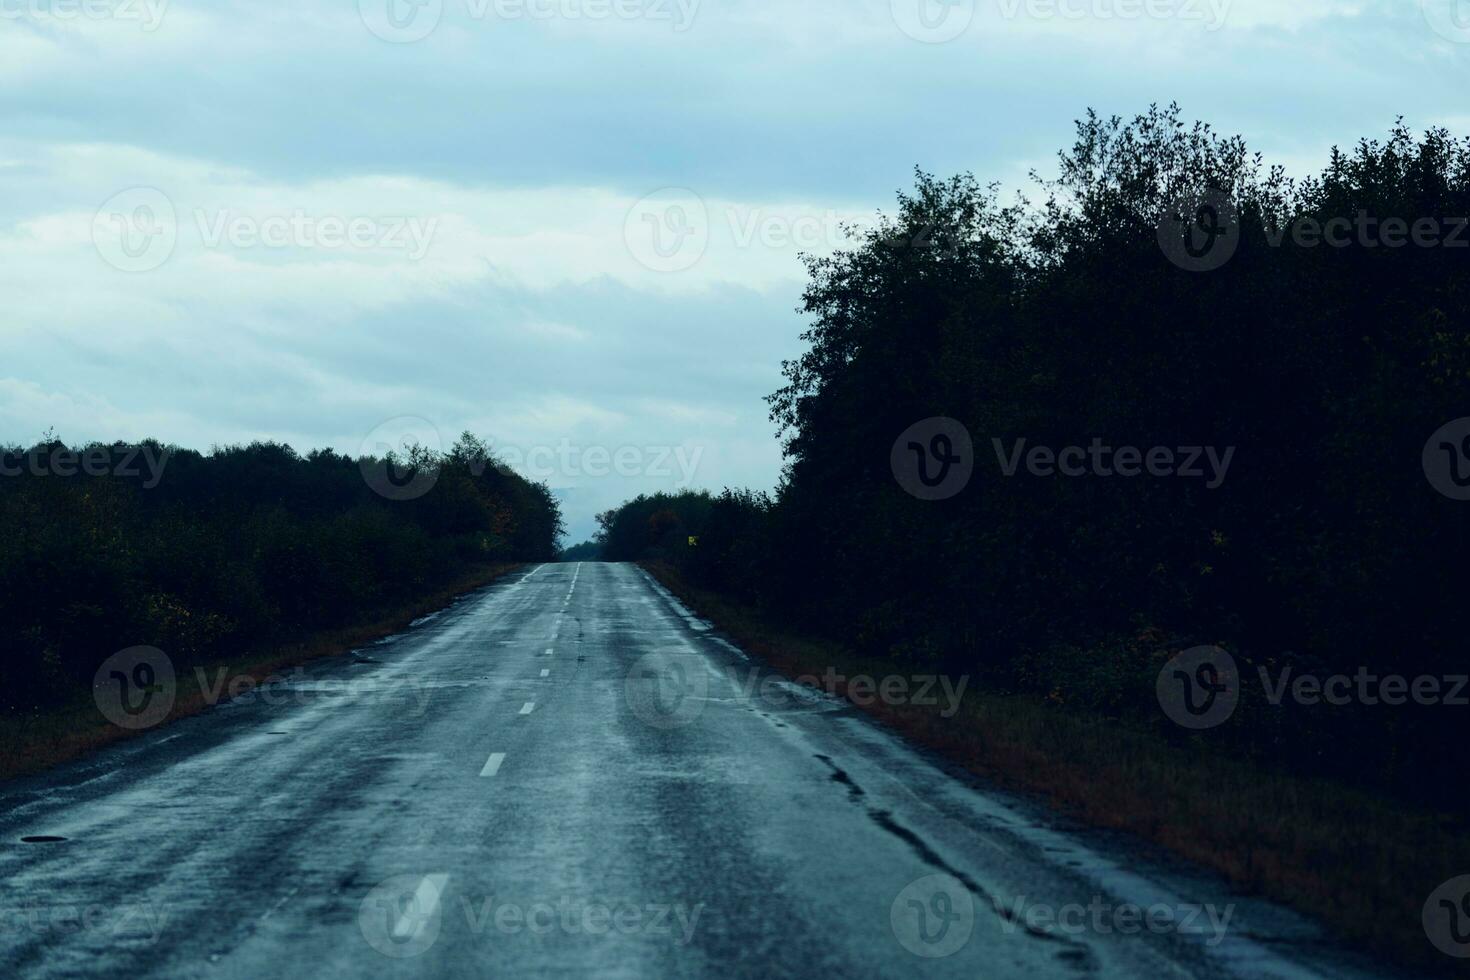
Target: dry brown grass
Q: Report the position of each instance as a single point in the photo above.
(1359, 863)
(43, 740)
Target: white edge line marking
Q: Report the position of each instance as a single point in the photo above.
(425, 903)
(492, 764)
(276, 907)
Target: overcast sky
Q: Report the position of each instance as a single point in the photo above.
(564, 224)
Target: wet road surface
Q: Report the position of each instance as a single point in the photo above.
(567, 774)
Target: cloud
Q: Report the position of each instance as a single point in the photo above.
(228, 221)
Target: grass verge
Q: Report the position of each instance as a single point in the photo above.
(39, 741)
(1361, 864)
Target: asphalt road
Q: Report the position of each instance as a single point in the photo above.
(568, 774)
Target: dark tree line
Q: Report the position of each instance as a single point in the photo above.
(207, 555)
(1325, 366)
(586, 551)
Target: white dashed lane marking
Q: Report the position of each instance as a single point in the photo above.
(528, 707)
(421, 908)
(492, 764)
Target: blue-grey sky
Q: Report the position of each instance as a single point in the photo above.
(571, 226)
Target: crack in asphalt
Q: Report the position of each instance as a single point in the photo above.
(1078, 953)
